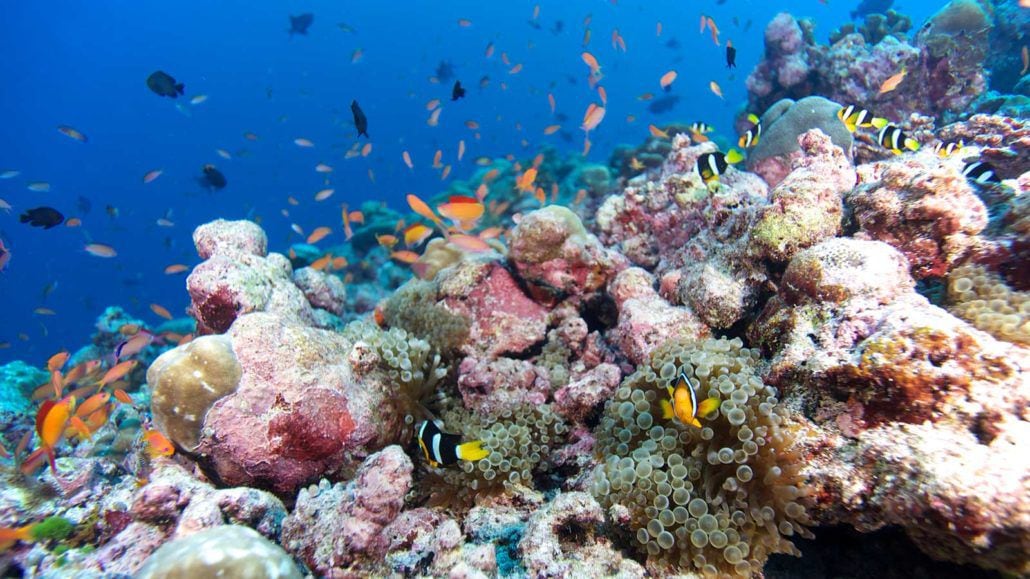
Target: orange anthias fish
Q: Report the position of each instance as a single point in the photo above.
(10, 535)
(420, 207)
(525, 182)
(715, 88)
(50, 423)
(667, 80)
(117, 371)
(464, 211)
(318, 234)
(158, 444)
(595, 68)
(415, 234)
(593, 117)
(893, 82)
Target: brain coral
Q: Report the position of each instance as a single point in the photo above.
(719, 499)
(187, 381)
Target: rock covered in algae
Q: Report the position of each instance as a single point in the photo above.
(226, 551)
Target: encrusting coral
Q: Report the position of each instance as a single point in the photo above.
(719, 499)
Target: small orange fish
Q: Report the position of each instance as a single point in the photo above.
(489, 52)
(158, 444)
(176, 268)
(461, 149)
(366, 150)
(516, 69)
(161, 311)
(304, 143)
(551, 129)
(355, 56)
(1025, 53)
(92, 404)
(386, 240)
(592, 118)
(422, 208)
(473, 125)
(432, 104)
(57, 361)
(482, 191)
(318, 234)
(551, 101)
(151, 175)
(117, 371)
(603, 94)
(658, 29)
(436, 158)
(469, 243)
(714, 29)
(324, 194)
(407, 159)
(434, 117)
(893, 82)
(595, 67)
(464, 211)
(292, 200)
(73, 222)
(525, 182)
(11, 535)
(464, 22)
(123, 396)
(667, 80)
(715, 88)
(657, 133)
(321, 263)
(345, 217)
(323, 168)
(404, 256)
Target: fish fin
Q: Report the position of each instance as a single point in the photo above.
(753, 118)
(707, 406)
(742, 140)
(852, 127)
(911, 144)
(734, 156)
(694, 422)
(472, 451)
(666, 409)
(879, 123)
(754, 142)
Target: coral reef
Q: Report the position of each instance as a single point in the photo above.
(896, 385)
(922, 205)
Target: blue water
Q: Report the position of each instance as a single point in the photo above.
(85, 64)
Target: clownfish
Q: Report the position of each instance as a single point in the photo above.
(854, 118)
(894, 139)
(750, 138)
(946, 150)
(683, 405)
(441, 448)
(980, 173)
(711, 165)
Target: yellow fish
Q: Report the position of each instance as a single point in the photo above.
(683, 405)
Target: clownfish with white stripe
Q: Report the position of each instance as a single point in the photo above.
(855, 118)
(946, 150)
(711, 165)
(441, 448)
(750, 138)
(894, 139)
(683, 403)
(980, 173)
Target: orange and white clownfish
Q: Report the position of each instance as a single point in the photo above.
(683, 404)
(442, 448)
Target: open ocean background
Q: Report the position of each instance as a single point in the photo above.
(85, 64)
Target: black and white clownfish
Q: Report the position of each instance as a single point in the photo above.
(855, 118)
(750, 138)
(980, 172)
(711, 165)
(945, 150)
(441, 448)
(894, 139)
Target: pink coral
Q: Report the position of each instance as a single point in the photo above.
(645, 319)
(301, 410)
(489, 386)
(335, 526)
(237, 277)
(321, 289)
(921, 205)
(504, 319)
(551, 250)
